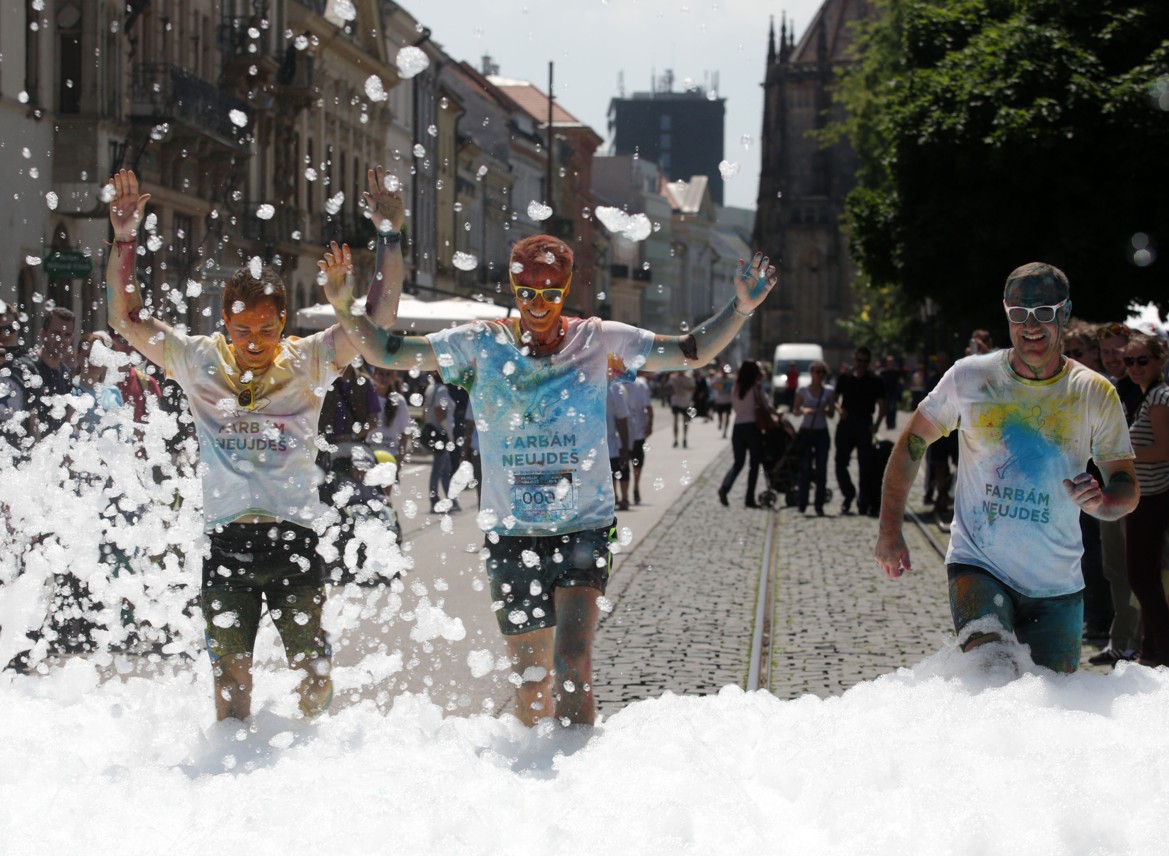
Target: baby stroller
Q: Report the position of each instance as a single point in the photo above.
(781, 468)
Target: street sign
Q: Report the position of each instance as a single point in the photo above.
(68, 264)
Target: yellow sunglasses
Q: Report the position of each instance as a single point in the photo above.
(551, 295)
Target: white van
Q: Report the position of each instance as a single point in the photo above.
(803, 354)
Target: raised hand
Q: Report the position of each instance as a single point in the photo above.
(384, 200)
(337, 276)
(753, 282)
(127, 205)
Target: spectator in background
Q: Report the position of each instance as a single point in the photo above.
(617, 427)
(917, 386)
(681, 403)
(1113, 339)
(641, 425)
(858, 394)
(89, 383)
(981, 342)
(12, 404)
(45, 374)
(391, 423)
(941, 454)
(746, 438)
(1080, 344)
(814, 403)
(892, 380)
(722, 384)
(1125, 629)
(10, 343)
(1146, 526)
(135, 385)
(701, 395)
(791, 383)
(438, 425)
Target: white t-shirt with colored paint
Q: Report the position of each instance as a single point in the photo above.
(257, 433)
(541, 420)
(1018, 440)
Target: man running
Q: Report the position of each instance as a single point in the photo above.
(256, 399)
(1028, 420)
(538, 389)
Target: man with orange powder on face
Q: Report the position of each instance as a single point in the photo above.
(538, 386)
(256, 399)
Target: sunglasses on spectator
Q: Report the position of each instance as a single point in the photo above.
(1042, 314)
(817, 371)
(1074, 352)
(1137, 361)
(551, 295)
(1106, 330)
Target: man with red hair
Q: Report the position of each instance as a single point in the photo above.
(538, 390)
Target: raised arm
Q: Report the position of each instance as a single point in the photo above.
(357, 334)
(388, 213)
(892, 553)
(127, 312)
(753, 282)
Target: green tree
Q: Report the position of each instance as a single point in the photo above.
(996, 132)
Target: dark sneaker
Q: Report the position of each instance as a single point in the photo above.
(722, 496)
(1110, 657)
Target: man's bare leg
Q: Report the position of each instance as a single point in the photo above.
(316, 688)
(233, 687)
(576, 625)
(531, 658)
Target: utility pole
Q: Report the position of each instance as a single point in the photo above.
(548, 181)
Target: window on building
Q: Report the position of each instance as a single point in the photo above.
(666, 142)
(308, 185)
(667, 122)
(184, 234)
(69, 73)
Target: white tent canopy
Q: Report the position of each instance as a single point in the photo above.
(414, 315)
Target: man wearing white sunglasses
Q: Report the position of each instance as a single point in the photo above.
(1028, 421)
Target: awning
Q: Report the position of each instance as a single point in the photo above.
(414, 315)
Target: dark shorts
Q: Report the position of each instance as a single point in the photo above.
(722, 408)
(684, 411)
(522, 586)
(637, 456)
(251, 563)
(1051, 626)
(620, 472)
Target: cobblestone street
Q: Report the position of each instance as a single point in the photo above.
(684, 602)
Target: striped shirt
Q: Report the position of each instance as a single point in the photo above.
(1153, 476)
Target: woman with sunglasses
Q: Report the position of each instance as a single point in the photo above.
(538, 387)
(1145, 528)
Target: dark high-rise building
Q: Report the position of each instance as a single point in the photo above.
(682, 132)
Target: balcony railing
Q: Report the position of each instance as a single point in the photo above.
(161, 92)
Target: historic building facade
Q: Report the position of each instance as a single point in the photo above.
(803, 185)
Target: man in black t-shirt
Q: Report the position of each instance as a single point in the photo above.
(858, 394)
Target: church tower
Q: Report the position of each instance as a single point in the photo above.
(802, 186)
